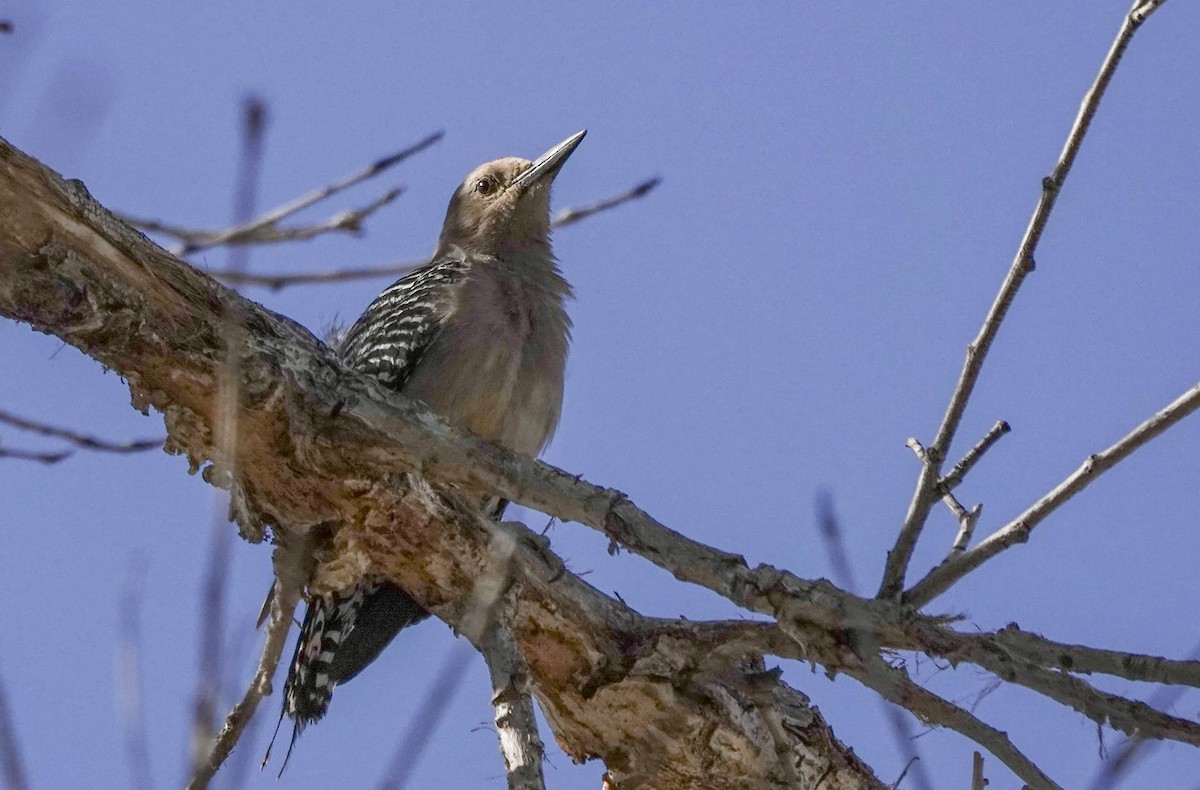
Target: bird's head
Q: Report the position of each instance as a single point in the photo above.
(504, 206)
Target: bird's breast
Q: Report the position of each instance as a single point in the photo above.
(496, 369)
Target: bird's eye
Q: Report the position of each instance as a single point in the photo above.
(486, 185)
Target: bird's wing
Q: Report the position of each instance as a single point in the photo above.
(388, 339)
(343, 633)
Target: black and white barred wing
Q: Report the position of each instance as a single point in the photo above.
(388, 339)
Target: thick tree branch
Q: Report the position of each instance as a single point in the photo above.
(320, 446)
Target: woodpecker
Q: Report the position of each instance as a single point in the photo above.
(480, 334)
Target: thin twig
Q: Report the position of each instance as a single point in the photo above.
(34, 455)
(78, 439)
(348, 221)
(265, 228)
(960, 470)
(274, 216)
(278, 281)
(1017, 531)
(967, 519)
(283, 604)
(571, 215)
(567, 216)
(10, 754)
(926, 493)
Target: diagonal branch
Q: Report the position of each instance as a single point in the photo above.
(1017, 531)
(12, 765)
(896, 686)
(973, 456)
(292, 566)
(573, 214)
(1044, 652)
(926, 493)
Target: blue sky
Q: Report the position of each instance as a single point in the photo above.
(844, 187)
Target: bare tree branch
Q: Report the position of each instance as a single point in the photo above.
(833, 537)
(895, 685)
(1017, 531)
(348, 221)
(1090, 660)
(290, 580)
(567, 216)
(265, 229)
(927, 493)
(967, 519)
(973, 456)
(573, 214)
(77, 439)
(33, 455)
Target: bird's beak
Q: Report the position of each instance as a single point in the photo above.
(548, 164)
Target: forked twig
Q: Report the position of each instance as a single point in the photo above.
(567, 216)
(1017, 531)
(265, 229)
(573, 214)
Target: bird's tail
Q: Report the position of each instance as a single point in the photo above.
(338, 638)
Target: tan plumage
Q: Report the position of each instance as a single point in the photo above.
(480, 334)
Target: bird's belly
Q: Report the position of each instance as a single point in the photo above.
(494, 390)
